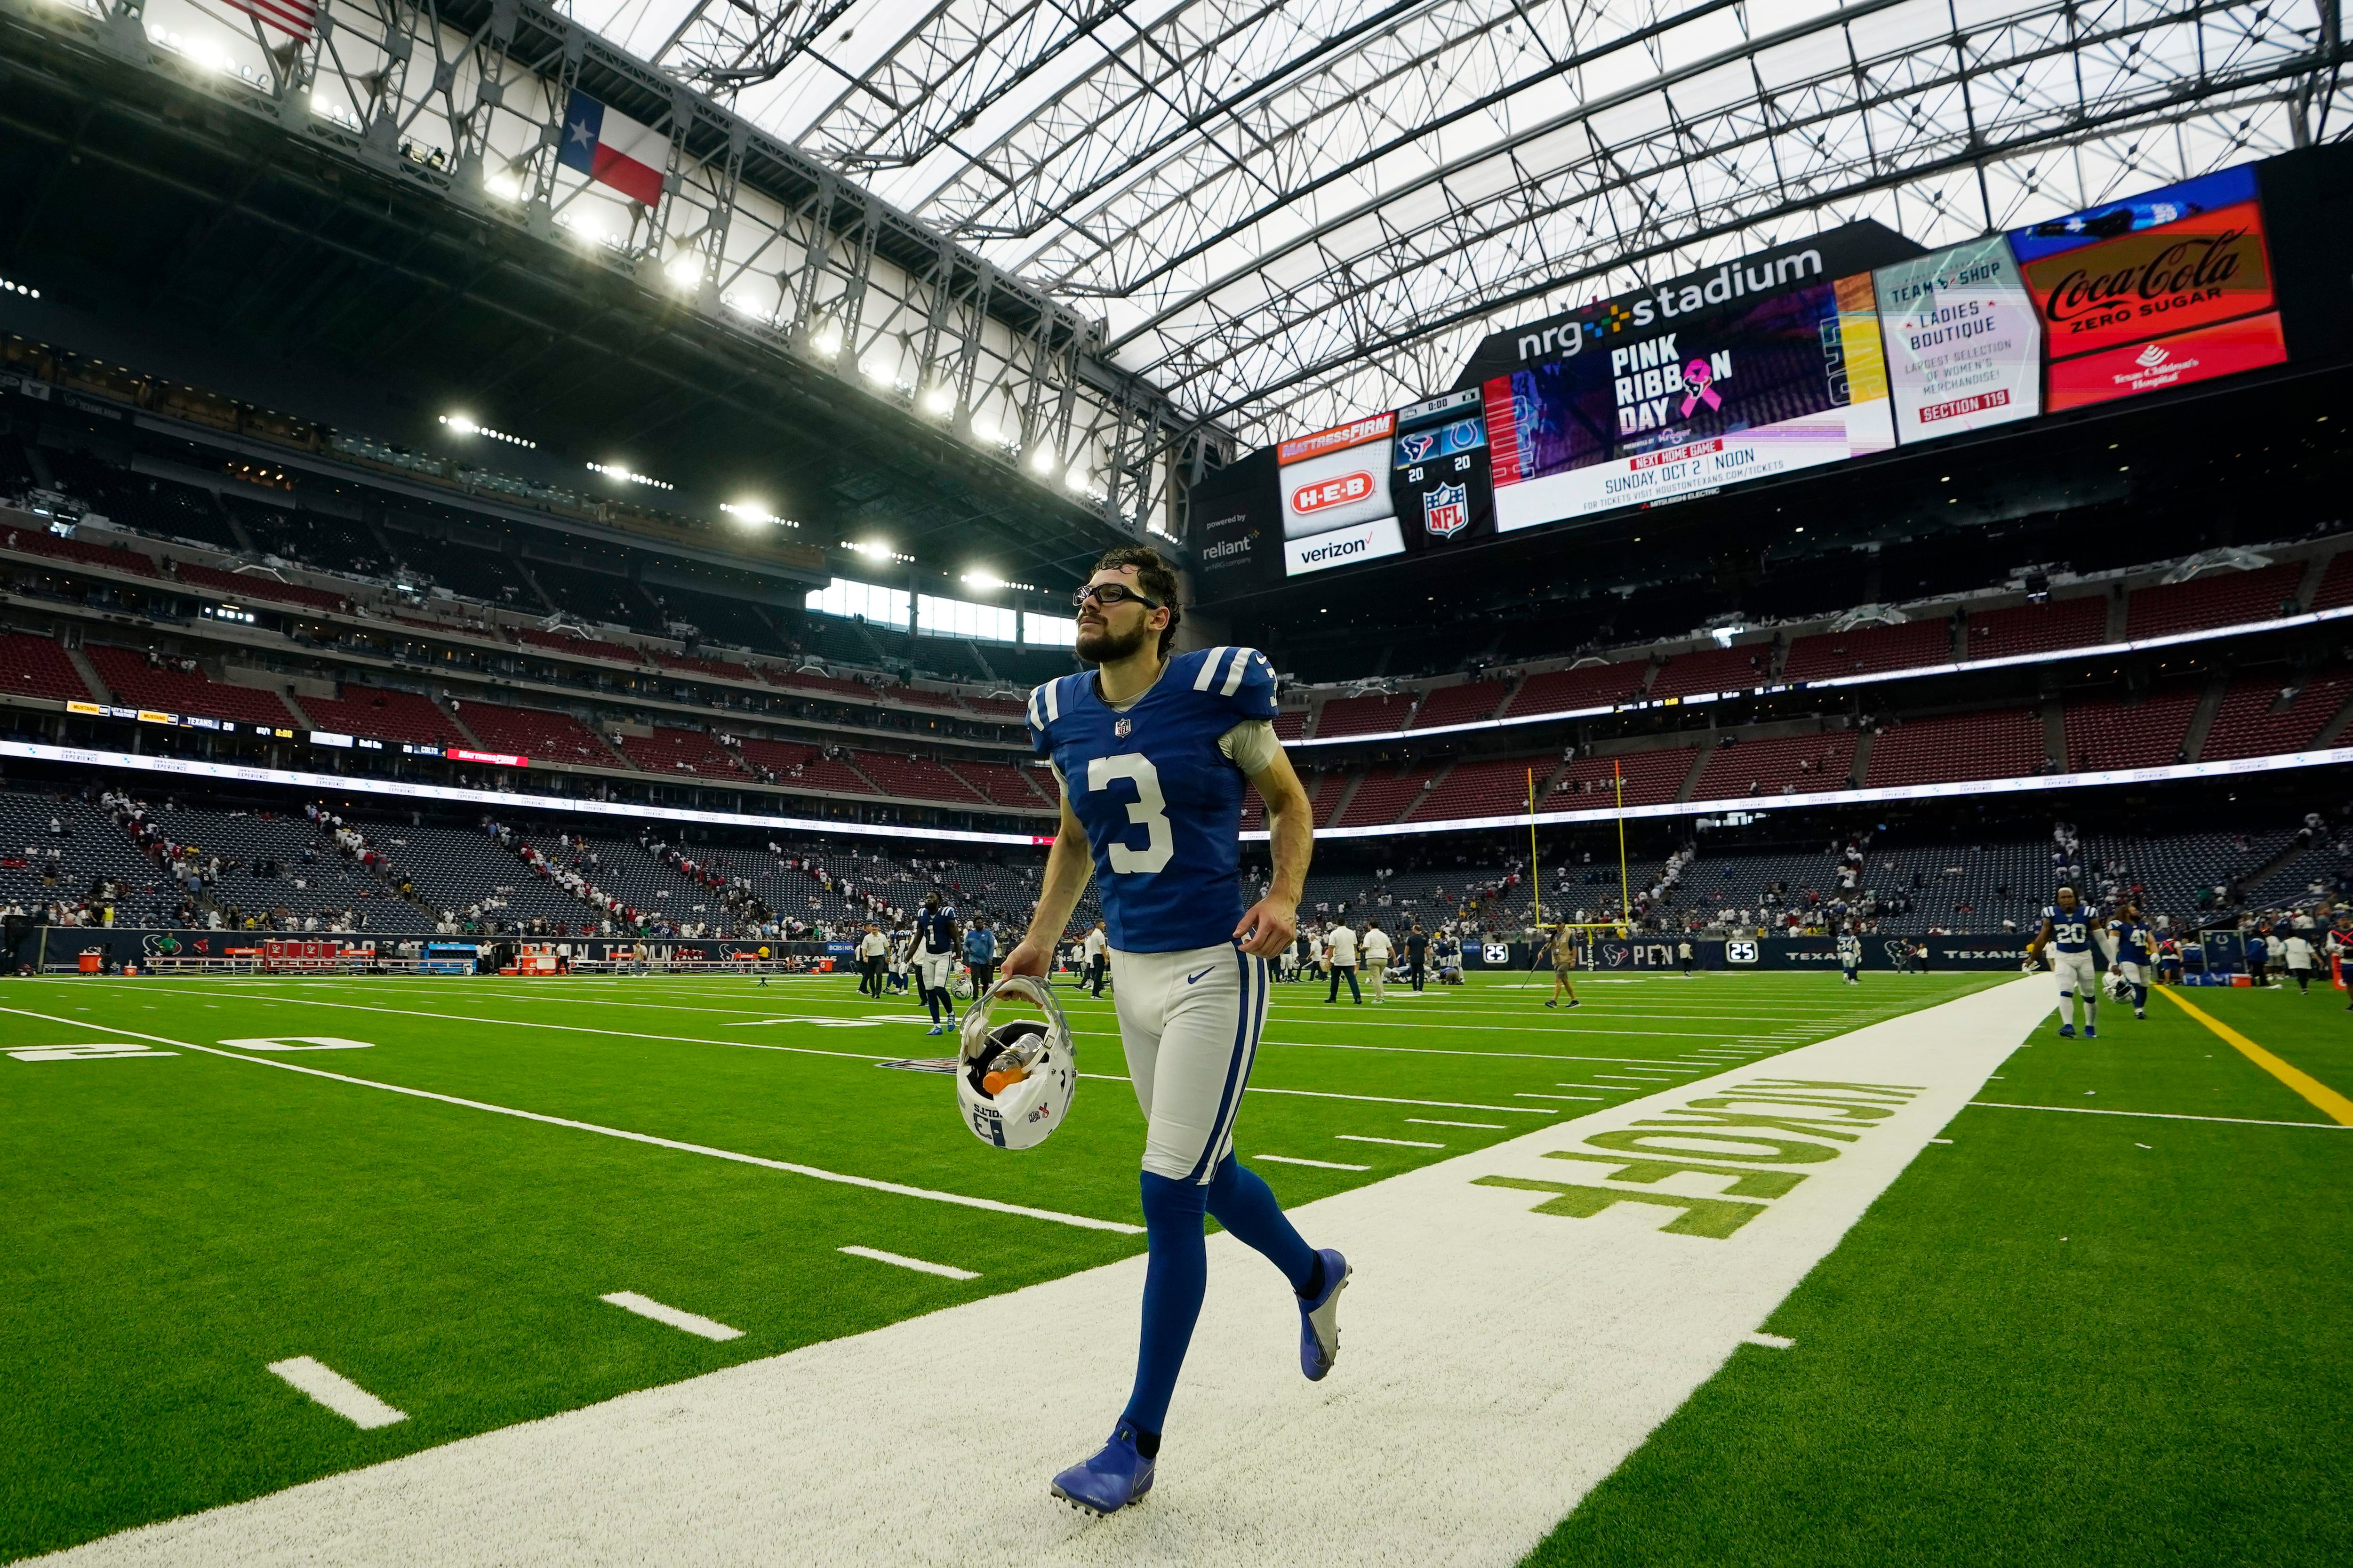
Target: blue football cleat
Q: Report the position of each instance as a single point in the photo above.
(1115, 1478)
(2090, 1033)
(933, 1030)
(2067, 1031)
(1319, 1320)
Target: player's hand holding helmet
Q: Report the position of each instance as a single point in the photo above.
(1016, 1077)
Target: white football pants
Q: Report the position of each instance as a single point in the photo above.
(1190, 1022)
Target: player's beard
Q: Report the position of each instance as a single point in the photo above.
(1099, 644)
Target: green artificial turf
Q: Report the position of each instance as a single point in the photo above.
(177, 1223)
(2063, 1339)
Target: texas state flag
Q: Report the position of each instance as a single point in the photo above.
(605, 144)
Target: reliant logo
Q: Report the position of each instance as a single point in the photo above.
(1226, 548)
(1326, 493)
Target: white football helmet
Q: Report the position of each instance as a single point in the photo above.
(2119, 989)
(1019, 1115)
(960, 984)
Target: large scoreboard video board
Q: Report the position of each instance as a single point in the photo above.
(1854, 342)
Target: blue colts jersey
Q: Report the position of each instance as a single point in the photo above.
(2131, 940)
(935, 932)
(1161, 805)
(2071, 931)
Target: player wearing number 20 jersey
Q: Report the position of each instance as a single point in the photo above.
(1158, 786)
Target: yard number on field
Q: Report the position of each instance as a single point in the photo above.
(98, 1052)
(300, 1043)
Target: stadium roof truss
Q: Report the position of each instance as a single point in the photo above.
(1295, 212)
(468, 98)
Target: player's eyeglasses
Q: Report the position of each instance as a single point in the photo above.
(1110, 593)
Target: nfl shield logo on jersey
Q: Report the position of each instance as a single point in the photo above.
(1121, 727)
(1446, 511)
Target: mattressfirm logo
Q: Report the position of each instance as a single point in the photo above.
(1323, 494)
(1446, 511)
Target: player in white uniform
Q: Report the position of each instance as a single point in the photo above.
(1151, 752)
(1850, 952)
(2067, 931)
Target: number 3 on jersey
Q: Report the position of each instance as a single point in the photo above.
(1149, 809)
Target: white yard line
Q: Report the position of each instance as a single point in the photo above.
(1568, 1340)
(917, 1264)
(2158, 1115)
(1434, 1121)
(1400, 1143)
(871, 1185)
(338, 1393)
(1771, 1342)
(692, 1322)
(1293, 1160)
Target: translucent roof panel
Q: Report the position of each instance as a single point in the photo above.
(1288, 213)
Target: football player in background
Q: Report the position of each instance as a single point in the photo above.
(2129, 943)
(935, 947)
(2067, 931)
(1849, 956)
(1152, 753)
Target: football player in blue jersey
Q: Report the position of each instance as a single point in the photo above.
(935, 946)
(1151, 752)
(2129, 939)
(2067, 931)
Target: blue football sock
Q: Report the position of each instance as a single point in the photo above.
(2140, 996)
(932, 1001)
(1175, 1277)
(1241, 1202)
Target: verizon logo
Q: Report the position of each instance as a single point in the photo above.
(1336, 491)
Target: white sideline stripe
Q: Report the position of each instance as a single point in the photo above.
(1364, 1467)
(2160, 1115)
(1593, 1097)
(338, 1393)
(944, 1270)
(1772, 1342)
(812, 1171)
(692, 1322)
(1434, 1121)
(1434, 1104)
(1400, 1143)
(1292, 1159)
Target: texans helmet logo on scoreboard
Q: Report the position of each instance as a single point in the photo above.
(1446, 511)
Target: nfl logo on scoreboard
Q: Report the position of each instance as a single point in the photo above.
(1446, 511)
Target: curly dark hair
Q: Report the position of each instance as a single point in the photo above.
(1154, 577)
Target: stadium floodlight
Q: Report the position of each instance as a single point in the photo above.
(465, 424)
(685, 269)
(826, 339)
(941, 399)
(875, 371)
(1078, 478)
(1042, 460)
(984, 431)
(982, 579)
(628, 476)
(754, 511)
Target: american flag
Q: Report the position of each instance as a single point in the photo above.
(298, 19)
